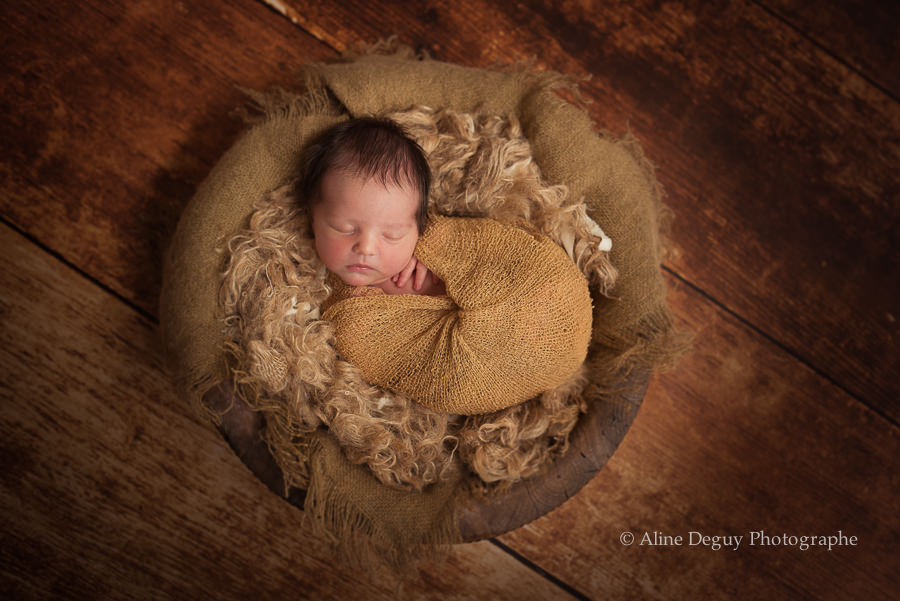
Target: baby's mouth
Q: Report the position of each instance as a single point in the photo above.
(359, 268)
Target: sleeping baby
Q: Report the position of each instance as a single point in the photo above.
(366, 185)
(464, 315)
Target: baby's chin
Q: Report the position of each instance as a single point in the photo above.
(362, 279)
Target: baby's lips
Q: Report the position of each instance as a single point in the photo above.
(360, 268)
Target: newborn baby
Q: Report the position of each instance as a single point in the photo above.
(489, 315)
(366, 185)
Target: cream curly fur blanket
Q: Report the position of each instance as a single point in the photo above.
(284, 348)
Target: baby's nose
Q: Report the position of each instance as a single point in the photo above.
(365, 245)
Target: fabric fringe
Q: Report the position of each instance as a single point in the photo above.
(653, 343)
(389, 46)
(195, 386)
(359, 539)
(280, 103)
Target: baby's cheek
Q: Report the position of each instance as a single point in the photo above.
(399, 257)
(329, 251)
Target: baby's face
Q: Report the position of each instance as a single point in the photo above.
(365, 232)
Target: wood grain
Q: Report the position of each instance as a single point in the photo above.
(779, 162)
(740, 438)
(112, 489)
(865, 35)
(113, 132)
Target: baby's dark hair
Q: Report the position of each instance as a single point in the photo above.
(368, 147)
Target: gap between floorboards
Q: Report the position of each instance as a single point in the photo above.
(822, 47)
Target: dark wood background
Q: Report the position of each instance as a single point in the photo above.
(775, 128)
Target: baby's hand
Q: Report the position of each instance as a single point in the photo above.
(421, 272)
(423, 282)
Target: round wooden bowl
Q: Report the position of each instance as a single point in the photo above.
(591, 444)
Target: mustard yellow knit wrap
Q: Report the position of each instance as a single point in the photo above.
(516, 320)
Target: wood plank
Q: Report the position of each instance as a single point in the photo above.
(866, 35)
(779, 162)
(740, 438)
(90, 561)
(113, 112)
(111, 488)
(777, 189)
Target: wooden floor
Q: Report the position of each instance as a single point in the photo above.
(775, 128)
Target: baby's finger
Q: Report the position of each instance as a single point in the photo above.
(421, 273)
(404, 274)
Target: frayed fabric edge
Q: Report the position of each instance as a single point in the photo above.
(357, 539)
(653, 343)
(280, 103)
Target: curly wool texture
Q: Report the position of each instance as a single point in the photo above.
(282, 351)
(482, 167)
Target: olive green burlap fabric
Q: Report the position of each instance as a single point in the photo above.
(516, 321)
(631, 328)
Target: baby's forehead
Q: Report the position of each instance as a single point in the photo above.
(345, 193)
(387, 179)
